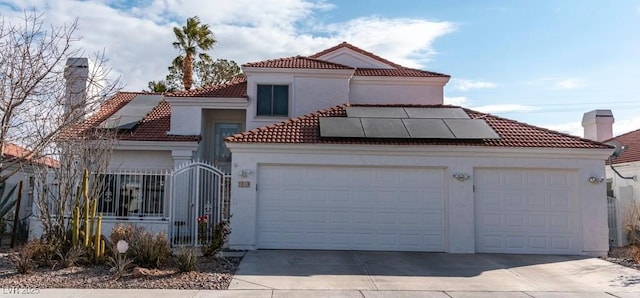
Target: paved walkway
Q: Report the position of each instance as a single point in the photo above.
(77, 293)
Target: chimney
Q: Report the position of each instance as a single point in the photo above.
(76, 74)
(598, 125)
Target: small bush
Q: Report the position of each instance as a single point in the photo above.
(186, 259)
(120, 263)
(147, 249)
(43, 253)
(23, 260)
(72, 256)
(121, 232)
(219, 237)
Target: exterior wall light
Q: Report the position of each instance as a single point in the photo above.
(595, 180)
(245, 173)
(461, 176)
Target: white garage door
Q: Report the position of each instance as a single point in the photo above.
(527, 211)
(361, 208)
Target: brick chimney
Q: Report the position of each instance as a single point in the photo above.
(598, 125)
(76, 74)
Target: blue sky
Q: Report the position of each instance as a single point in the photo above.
(540, 62)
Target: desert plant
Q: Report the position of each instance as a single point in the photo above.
(147, 249)
(24, 258)
(120, 263)
(43, 253)
(71, 257)
(219, 237)
(121, 232)
(632, 224)
(186, 259)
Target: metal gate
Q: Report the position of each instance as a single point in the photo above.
(199, 198)
(613, 221)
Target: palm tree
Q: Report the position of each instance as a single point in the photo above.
(192, 37)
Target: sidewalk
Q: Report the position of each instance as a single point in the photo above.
(142, 293)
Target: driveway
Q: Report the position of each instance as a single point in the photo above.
(529, 275)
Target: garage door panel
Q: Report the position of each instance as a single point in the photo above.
(527, 211)
(367, 208)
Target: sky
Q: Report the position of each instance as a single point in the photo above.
(540, 62)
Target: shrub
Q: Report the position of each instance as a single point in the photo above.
(72, 256)
(43, 253)
(186, 259)
(219, 237)
(147, 249)
(121, 232)
(120, 263)
(23, 260)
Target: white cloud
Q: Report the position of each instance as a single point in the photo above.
(572, 128)
(456, 100)
(137, 39)
(505, 108)
(570, 83)
(464, 85)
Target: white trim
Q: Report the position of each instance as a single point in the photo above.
(155, 145)
(209, 102)
(388, 80)
(301, 72)
(426, 150)
(331, 57)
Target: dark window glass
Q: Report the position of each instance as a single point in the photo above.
(273, 100)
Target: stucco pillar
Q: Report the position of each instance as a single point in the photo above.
(181, 157)
(461, 210)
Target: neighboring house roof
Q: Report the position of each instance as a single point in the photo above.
(153, 127)
(13, 151)
(349, 46)
(631, 140)
(312, 62)
(235, 88)
(297, 62)
(306, 130)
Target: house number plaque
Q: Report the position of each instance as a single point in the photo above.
(244, 184)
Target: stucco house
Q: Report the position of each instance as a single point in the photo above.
(622, 171)
(344, 149)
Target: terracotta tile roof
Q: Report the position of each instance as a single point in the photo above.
(153, 127)
(397, 72)
(312, 62)
(235, 88)
(305, 129)
(297, 62)
(12, 151)
(632, 142)
(347, 45)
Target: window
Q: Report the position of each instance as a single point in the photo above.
(273, 100)
(132, 195)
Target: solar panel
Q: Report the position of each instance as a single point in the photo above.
(376, 112)
(428, 129)
(471, 129)
(384, 128)
(437, 113)
(134, 111)
(341, 127)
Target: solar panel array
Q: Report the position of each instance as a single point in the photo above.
(134, 111)
(406, 123)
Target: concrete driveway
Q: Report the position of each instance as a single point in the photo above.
(453, 275)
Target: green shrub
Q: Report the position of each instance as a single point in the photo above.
(186, 259)
(147, 249)
(120, 263)
(219, 237)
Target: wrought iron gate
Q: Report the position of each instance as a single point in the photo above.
(199, 198)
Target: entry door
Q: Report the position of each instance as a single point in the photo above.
(221, 154)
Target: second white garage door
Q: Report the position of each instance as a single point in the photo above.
(361, 208)
(527, 211)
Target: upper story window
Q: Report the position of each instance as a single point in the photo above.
(273, 100)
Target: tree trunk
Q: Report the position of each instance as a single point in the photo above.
(187, 71)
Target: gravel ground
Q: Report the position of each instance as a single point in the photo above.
(212, 274)
(622, 256)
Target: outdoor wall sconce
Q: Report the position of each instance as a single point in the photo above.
(596, 180)
(245, 173)
(461, 176)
